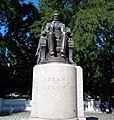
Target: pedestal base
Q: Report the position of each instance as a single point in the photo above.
(57, 92)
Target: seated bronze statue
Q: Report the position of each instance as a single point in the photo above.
(55, 42)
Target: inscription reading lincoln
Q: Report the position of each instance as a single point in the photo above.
(52, 87)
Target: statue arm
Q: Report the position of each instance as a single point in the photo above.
(66, 29)
(62, 27)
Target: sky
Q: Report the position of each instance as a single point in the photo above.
(35, 2)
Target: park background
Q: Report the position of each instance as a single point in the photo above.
(92, 25)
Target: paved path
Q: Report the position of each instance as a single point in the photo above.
(89, 116)
(16, 116)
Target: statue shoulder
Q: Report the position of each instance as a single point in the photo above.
(62, 25)
(48, 25)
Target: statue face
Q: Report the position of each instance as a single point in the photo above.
(56, 16)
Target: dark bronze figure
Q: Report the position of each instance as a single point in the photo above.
(55, 42)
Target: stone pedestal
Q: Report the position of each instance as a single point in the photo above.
(57, 92)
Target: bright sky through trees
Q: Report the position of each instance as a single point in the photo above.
(35, 2)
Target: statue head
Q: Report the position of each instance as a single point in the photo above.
(55, 15)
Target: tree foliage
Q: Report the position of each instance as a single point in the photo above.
(94, 44)
(18, 46)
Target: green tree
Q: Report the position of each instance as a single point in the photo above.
(18, 45)
(93, 28)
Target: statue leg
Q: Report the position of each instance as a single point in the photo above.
(63, 45)
(51, 43)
